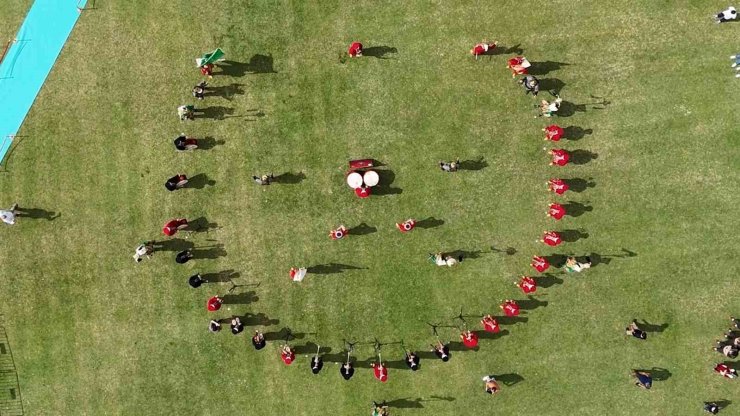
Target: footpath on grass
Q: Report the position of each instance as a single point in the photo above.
(29, 59)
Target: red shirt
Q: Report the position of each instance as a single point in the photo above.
(479, 49)
(406, 226)
(554, 132)
(556, 211)
(214, 304)
(515, 65)
(206, 69)
(540, 263)
(355, 49)
(170, 228)
(338, 233)
(470, 340)
(528, 285)
(511, 308)
(362, 192)
(560, 157)
(558, 186)
(722, 369)
(287, 357)
(380, 372)
(490, 325)
(552, 238)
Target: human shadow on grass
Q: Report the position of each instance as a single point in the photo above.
(466, 254)
(208, 143)
(532, 303)
(310, 348)
(362, 229)
(405, 403)
(575, 133)
(244, 298)
(209, 252)
(379, 52)
(258, 319)
(597, 258)
(282, 334)
(571, 236)
(289, 178)
(658, 373)
(581, 157)
(568, 109)
(36, 214)
(579, 185)
(258, 64)
(216, 112)
(548, 280)
(509, 251)
(720, 403)
(174, 244)
(554, 86)
(201, 224)
(509, 379)
(221, 277)
(503, 50)
(545, 67)
(200, 181)
(429, 222)
(226, 91)
(576, 209)
(473, 164)
(399, 364)
(332, 268)
(556, 260)
(460, 347)
(384, 187)
(648, 327)
(493, 335)
(511, 320)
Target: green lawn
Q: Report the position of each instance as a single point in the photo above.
(94, 333)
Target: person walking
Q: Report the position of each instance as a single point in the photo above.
(196, 280)
(635, 331)
(258, 340)
(236, 325)
(510, 307)
(527, 285)
(483, 48)
(572, 265)
(355, 50)
(442, 351)
(551, 238)
(491, 385)
(172, 226)
(176, 182)
(555, 211)
(287, 354)
(469, 338)
(8, 215)
(539, 263)
(183, 256)
(531, 85)
(557, 186)
(643, 379)
(145, 249)
(490, 324)
(553, 132)
(214, 303)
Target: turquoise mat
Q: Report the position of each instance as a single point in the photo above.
(30, 59)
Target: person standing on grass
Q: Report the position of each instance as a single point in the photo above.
(214, 326)
(442, 351)
(712, 408)
(196, 280)
(572, 265)
(236, 325)
(258, 340)
(527, 285)
(338, 233)
(183, 256)
(183, 142)
(264, 179)
(553, 132)
(380, 409)
(411, 360)
(8, 216)
(491, 385)
(539, 263)
(449, 166)
(560, 157)
(482, 48)
(287, 354)
(214, 303)
(490, 324)
(469, 338)
(726, 349)
(510, 307)
(407, 225)
(551, 238)
(186, 112)
(347, 370)
(725, 371)
(727, 15)
(199, 91)
(531, 85)
(557, 185)
(635, 331)
(172, 226)
(145, 249)
(518, 66)
(643, 379)
(355, 50)
(176, 182)
(555, 211)
(207, 70)
(380, 371)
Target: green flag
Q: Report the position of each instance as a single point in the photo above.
(210, 57)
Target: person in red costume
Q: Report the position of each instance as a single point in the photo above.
(560, 157)
(469, 338)
(527, 285)
(339, 233)
(553, 132)
(482, 48)
(556, 211)
(557, 185)
(214, 303)
(380, 371)
(355, 50)
(287, 354)
(490, 324)
(725, 371)
(540, 263)
(406, 226)
(518, 66)
(207, 70)
(551, 238)
(510, 307)
(173, 226)
(362, 192)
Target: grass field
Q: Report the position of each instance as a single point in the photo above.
(94, 333)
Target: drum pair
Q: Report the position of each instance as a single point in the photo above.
(369, 178)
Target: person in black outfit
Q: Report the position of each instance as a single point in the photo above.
(635, 331)
(236, 325)
(712, 408)
(412, 361)
(195, 281)
(214, 326)
(530, 84)
(347, 370)
(442, 351)
(176, 182)
(199, 91)
(317, 363)
(182, 143)
(728, 349)
(258, 340)
(183, 257)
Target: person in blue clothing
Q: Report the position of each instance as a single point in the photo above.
(644, 379)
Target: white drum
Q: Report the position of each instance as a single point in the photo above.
(354, 180)
(371, 178)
